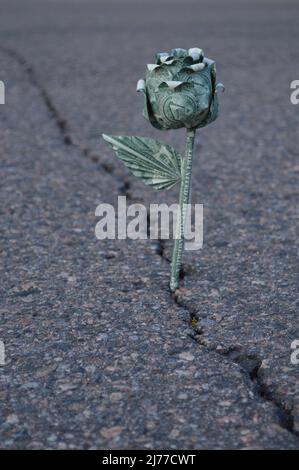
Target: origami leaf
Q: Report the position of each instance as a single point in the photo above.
(156, 164)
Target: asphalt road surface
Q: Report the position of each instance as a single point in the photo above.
(98, 353)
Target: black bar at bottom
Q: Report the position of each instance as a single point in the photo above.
(151, 458)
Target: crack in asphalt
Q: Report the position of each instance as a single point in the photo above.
(59, 120)
(249, 364)
(61, 123)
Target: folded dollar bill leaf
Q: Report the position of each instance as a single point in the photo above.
(156, 164)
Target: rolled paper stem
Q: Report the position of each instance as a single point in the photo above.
(185, 191)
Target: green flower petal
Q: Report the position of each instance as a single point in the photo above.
(197, 67)
(161, 57)
(151, 67)
(179, 53)
(213, 113)
(140, 85)
(148, 113)
(196, 53)
(172, 84)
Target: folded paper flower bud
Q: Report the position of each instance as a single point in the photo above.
(190, 99)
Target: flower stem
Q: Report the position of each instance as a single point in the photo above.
(185, 192)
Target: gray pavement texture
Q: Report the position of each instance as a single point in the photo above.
(99, 355)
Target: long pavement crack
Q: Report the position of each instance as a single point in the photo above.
(248, 363)
(61, 123)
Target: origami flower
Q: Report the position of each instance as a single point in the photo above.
(180, 90)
